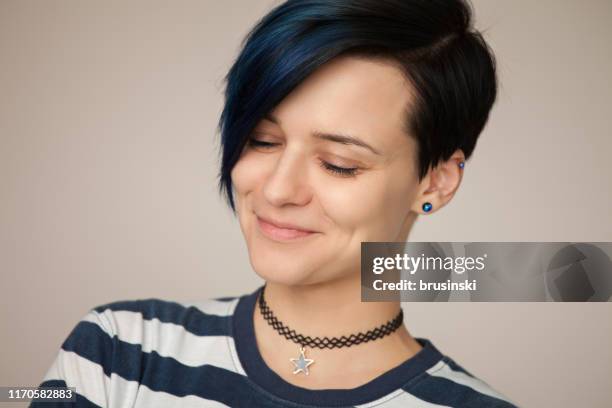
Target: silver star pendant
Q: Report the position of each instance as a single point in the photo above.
(301, 363)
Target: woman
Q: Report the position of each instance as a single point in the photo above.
(344, 121)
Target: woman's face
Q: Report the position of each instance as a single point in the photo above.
(293, 180)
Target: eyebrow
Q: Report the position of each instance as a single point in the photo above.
(343, 139)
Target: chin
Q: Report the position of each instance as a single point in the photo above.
(284, 275)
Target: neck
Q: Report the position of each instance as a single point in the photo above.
(331, 309)
(327, 309)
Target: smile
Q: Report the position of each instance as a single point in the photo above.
(281, 234)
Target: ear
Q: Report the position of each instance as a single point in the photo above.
(440, 184)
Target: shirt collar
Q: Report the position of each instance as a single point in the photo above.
(258, 371)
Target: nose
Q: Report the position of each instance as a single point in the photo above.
(287, 182)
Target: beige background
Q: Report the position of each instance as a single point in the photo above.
(108, 162)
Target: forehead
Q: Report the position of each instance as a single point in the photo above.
(362, 97)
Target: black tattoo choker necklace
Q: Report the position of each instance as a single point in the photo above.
(301, 363)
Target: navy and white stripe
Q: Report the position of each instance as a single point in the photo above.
(157, 353)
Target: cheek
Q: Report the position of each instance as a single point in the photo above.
(245, 175)
(371, 208)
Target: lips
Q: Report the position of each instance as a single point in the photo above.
(284, 225)
(281, 231)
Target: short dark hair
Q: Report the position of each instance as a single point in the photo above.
(446, 60)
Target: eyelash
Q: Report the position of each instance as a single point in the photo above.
(341, 171)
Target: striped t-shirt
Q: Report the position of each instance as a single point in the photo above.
(155, 353)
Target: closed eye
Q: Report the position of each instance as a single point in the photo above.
(337, 170)
(259, 143)
(342, 171)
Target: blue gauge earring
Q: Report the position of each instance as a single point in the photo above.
(461, 165)
(427, 207)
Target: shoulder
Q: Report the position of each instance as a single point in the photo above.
(449, 384)
(120, 344)
(123, 324)
(133, 320)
